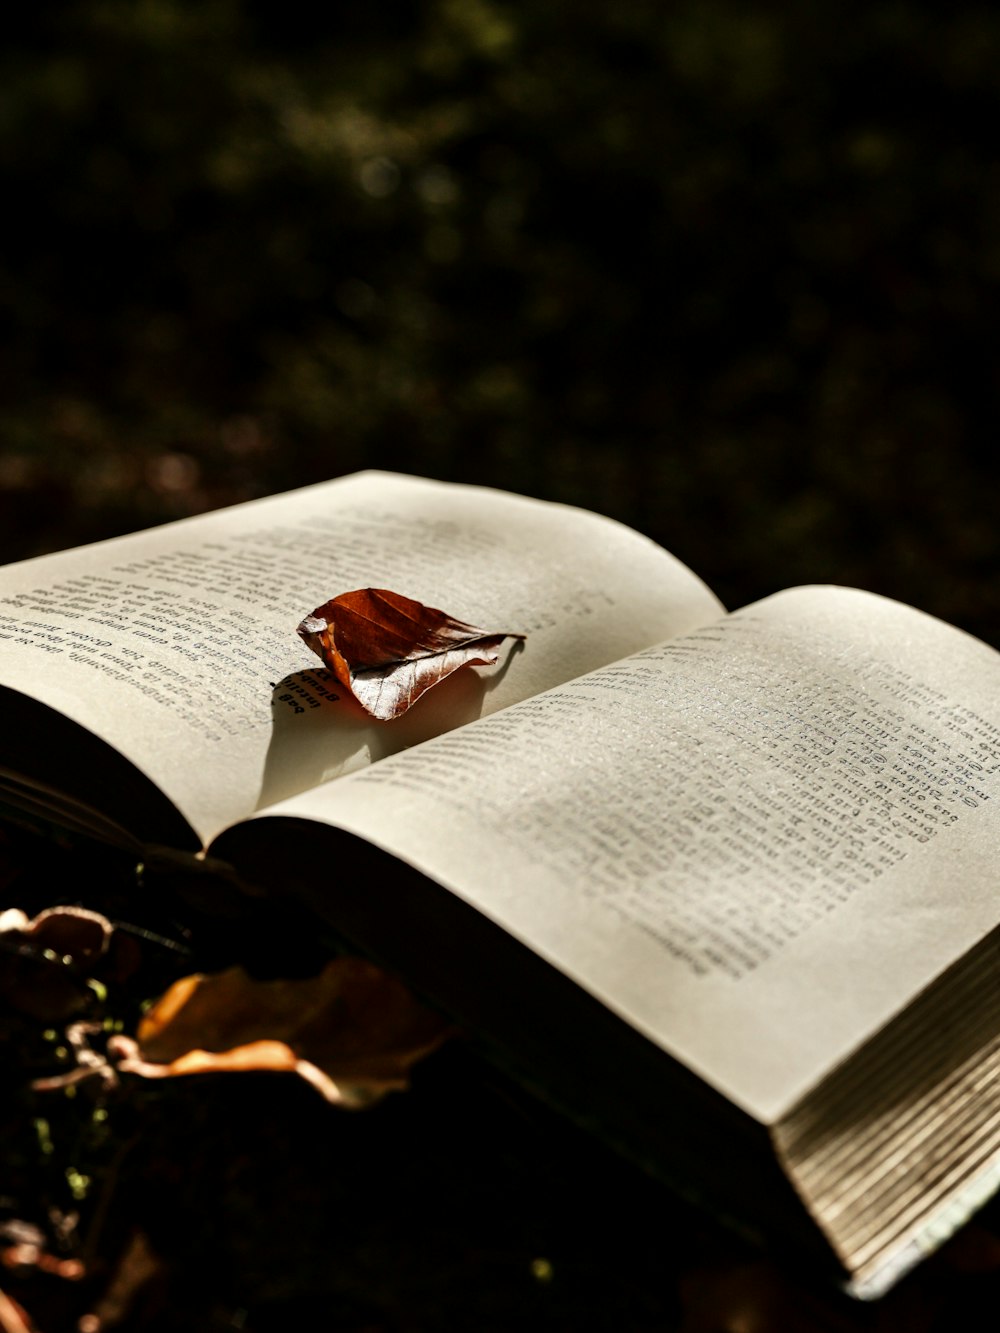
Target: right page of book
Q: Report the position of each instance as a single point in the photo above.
(756, 842)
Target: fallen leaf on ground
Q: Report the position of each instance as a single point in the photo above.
(13, 1318)
(353, 1032)
(43, 960)
(90, 1063)
(70, 932)
(388, 650)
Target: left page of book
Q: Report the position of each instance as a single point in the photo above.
(177, 646)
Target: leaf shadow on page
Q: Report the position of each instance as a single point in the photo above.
(319, 732)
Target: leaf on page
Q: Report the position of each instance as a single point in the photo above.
(353, 1032)
(388, 649)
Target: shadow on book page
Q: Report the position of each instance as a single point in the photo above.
(319, 732)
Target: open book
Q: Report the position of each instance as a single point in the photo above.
(723, 886)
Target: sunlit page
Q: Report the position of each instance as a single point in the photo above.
(755, 842)
(178, 645)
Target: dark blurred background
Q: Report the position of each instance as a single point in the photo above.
(727, 271)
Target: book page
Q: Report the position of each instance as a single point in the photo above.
(178, 645)
(755, 842)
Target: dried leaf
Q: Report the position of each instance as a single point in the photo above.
(388, 650)
(45, 961)
(39, 959)
(74, 932)
(13, 1317)
(31, 1255)
(352, 1031)
(90, 1063)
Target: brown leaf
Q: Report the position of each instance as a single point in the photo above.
(388, 650)
(41, 959)
(352, 1031)
(72, 932)
(13, 1317)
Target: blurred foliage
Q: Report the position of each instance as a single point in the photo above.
(724, 270)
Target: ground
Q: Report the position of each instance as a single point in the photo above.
(244, 1200)
(727, 272)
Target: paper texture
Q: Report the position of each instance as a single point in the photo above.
(756, 842)
(178, 645)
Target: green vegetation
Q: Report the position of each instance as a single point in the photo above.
(726, 271)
